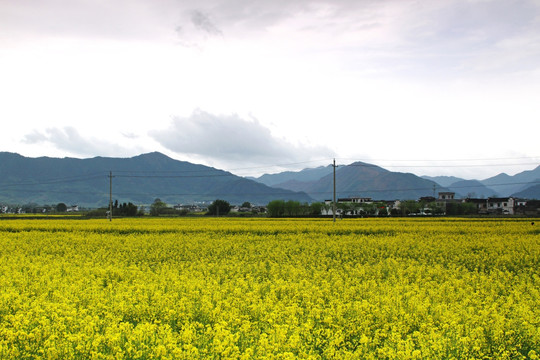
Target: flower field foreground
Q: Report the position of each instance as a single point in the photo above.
(189, 288)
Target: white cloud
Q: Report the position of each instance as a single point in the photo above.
(232, 140)
(70, 140)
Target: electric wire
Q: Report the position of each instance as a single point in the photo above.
(200, 173)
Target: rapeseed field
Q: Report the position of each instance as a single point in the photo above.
(198, 288)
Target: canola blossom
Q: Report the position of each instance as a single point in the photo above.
(198, 288)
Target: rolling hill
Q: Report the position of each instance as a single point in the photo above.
(532, 192)
(139, 180)
(443, 180)
(306, 175)
(365, 180)
(472, 189)
(506, 185)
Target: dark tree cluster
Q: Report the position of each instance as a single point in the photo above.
(281, 208)
(219, 207)
(124, 209)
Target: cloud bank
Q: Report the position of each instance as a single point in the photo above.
(381, 71)
(391, 36)
(232, 140)
(69, 139)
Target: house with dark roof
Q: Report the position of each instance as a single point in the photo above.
(502, 205)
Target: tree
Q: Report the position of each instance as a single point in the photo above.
(276, 208)
(436, 209)
(157, 207)
(61, 207)
(131, 209)
(346, 208)
(219, 207)
(368, 209)
(247, 205)
(279, 208)
(469, 209)
(128, 209)
(409, 207)
(383, 211)
(292, 208)
(460, 209)
(315, 208)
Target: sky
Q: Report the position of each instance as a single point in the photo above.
(446, 87)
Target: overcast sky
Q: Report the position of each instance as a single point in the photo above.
(442, 87)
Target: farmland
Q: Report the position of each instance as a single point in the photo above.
(188, 288)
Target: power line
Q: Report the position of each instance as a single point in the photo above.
(92, 177)
(155, 174)
(52, 181)
(167, 171)
(430, 188)
(436, 166)
(318, 192)
(443, 160)
(288, 192)
(174, 176)
(214, 173)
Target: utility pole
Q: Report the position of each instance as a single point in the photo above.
(334, 202)
(110, 195)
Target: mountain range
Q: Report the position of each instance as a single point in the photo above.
(140, 180)
(355, 180)
(367, 180)
(525, 184)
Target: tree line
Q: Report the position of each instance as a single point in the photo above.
(278, 208)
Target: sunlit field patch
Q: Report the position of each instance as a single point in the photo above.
(187, 288)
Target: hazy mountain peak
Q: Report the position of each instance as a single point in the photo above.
(153, 154)
(498, 177)
(443, 180)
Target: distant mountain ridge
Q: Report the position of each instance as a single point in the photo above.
(443, 180)
(522, 185)
(306, 175)
(364, 180)
(367, 180)
(532, 192)
(471, 189)
(506, 185)
(139, 179)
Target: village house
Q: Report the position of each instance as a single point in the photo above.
(73, 208)
(500, 205)
(497, 205)
(520, 202)
(527, 207)
(446, 195)
(194, 208)
(427, 199)
(357, 206)
(445, 198)
(240, 209)
(481, 205)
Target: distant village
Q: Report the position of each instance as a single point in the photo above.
(36, 209)
(445, 204)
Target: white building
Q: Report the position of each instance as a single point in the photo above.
(501, 205)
